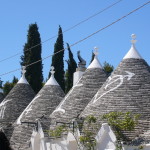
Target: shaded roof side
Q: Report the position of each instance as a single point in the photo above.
(127, 89)
(21, 141)
(14, 103)
(79, 96)
(17, 99)
(43, 104)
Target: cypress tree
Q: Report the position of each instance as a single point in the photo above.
(57, 60)
(34, 72)
(72, 65)
(15, 80)
(92, 57)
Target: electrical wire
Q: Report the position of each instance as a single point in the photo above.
(92, 16)
(83, 38)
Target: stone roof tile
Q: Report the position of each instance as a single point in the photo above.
(13, 104)
(42, 105)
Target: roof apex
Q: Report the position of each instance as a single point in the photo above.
(133, 53)
(52, 80)
(23, 80)
(95, 63)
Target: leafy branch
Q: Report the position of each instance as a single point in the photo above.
(121, 122)
(118, 121)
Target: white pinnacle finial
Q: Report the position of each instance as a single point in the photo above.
(96, 51)
(95, 63)
(23, 70)
(52, 70)
(23, 79)
(133, 53)
(52, 80)
(133, 36)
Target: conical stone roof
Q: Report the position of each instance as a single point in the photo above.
(42, 105)
(127, 89)
(13, 105)
(80, 94)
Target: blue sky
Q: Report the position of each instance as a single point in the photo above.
(114, 42)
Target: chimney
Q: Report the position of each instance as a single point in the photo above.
(80, 70)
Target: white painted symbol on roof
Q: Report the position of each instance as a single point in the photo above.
(61, 110)
(3, 107)
(27, 110)
(112, 80)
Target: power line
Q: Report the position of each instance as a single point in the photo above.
(83, 38)
(64, 31)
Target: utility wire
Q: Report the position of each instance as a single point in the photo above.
(92, 16)
(83, 38)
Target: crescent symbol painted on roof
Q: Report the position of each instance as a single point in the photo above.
(59, 108)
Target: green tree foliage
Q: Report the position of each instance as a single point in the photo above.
(57, 60)
(57, 132)
(118, 121)
(1, 82)
(34, 72)
(72, 65)
(9, 85)
(15, 80)
(87, 139)
(108, 68)
(121, 122)
(7, 88)
(4, 142)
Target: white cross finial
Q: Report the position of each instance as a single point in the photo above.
(133, 36)
(23, 70)
(52, 70)
(96, 51)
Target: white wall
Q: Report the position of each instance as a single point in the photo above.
(105, 138)
(66, 143)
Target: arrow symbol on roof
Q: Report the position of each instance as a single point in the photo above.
(111, 81)
(130, 75)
